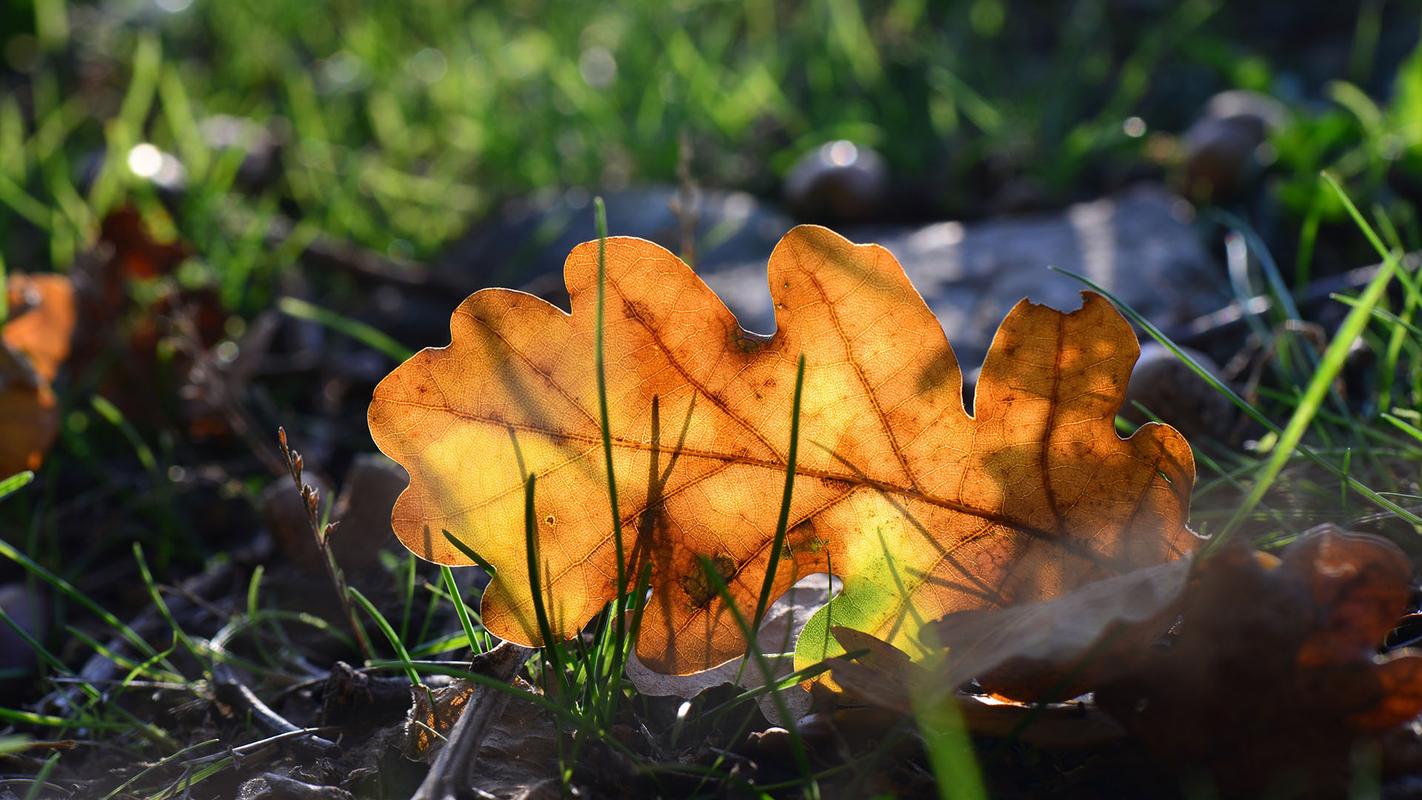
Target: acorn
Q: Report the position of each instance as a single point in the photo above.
(838, 183)
(1167, 388)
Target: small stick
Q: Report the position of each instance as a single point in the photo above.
(686, 203)
(451, 775)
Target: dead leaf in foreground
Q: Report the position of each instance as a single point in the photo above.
(921, 509)
(34, 342)
(882, 676)
(1275, 667)
(1272, 669)
(1059, 649)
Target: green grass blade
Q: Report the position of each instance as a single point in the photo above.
(15, 483)
(619, 618)
(1380, 314)
(777, 544)
(1248, 408)
(946, 741)
(797, 746)
(469, 553)
(157, 765)
(367, 335)
(116, 418)
(1404, 426)
(70, 591)
(162, 607)
(18, 717)
(1317, 390)
(385, 628)
(535, 583)
(460, 610)
(41, 778)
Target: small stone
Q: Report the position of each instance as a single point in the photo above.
(1169, 389)
(1261, 109)
(285, 515)
(17, 660)
(1222, 148)
(363, 510)
(526, 242)
(817, 730)
(773, 744)
(855, 728)
(838, 183)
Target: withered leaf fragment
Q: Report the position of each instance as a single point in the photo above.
(1058, 649)
(34, 342)
(1275, 666)
(921, 508)
(875, 673)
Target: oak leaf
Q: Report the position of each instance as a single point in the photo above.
(921, 508)
(34, 342)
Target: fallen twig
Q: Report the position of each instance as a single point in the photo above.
(451, 775)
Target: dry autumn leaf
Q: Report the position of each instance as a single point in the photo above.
(34, 342)
(921, 508)
(879, 675)
(1275, 667)
(1059, 649)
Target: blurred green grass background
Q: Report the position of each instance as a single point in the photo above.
(401, 123)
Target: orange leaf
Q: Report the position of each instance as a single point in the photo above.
(34, 342)
(41, 322)
(920, 507)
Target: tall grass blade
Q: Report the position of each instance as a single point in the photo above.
(1314, 394)
(619, 620)
(468, 552)
(777, 544)
(402, 655)
(797, 746)
(460, 610)
(946, 741)
(535, 583)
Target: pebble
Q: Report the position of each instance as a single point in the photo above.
(260, 144)
(838, 183)
(1225, 149)
(285, 516)
(1169, 389)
